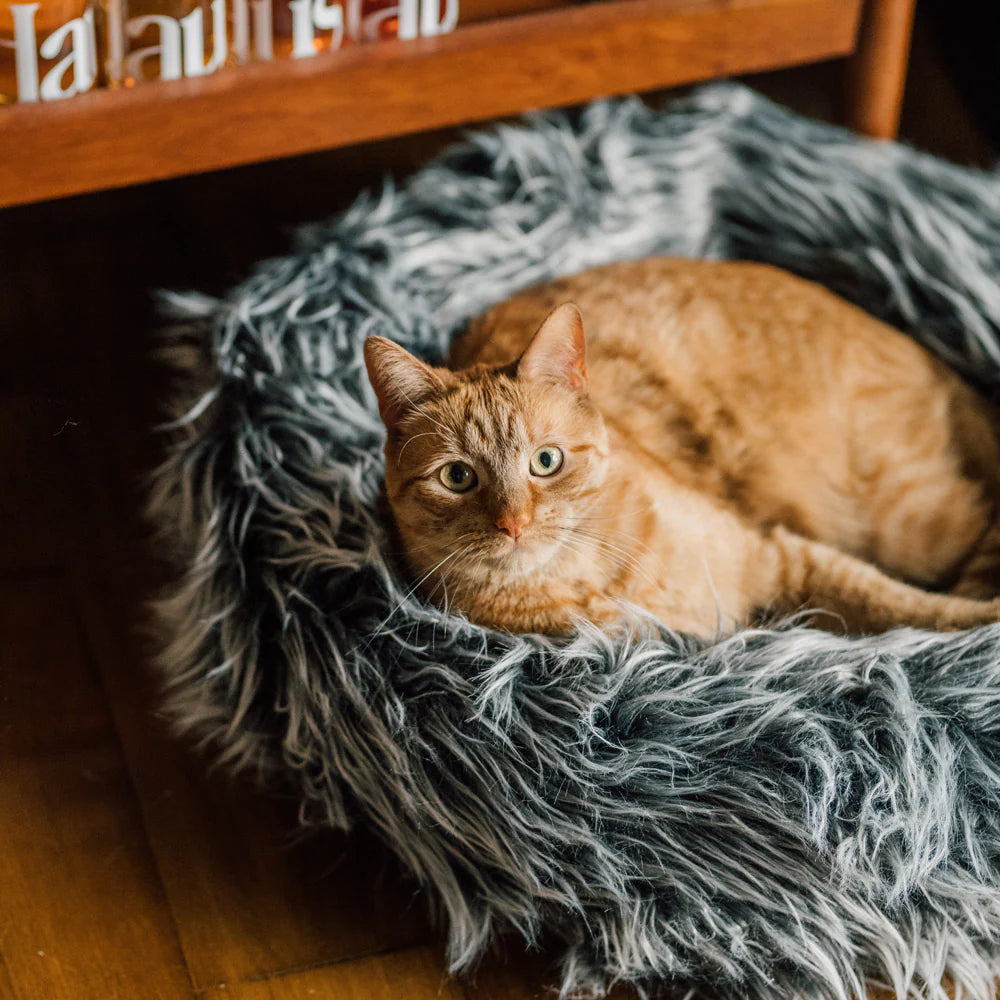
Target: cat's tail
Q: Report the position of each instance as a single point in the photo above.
(810, 575)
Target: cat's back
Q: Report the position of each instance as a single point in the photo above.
(759, 388)
(707, 332)
(685, 310)
(731, 326)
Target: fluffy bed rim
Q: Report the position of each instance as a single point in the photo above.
(780, 813)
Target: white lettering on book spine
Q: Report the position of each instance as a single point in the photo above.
(255, 26)
(431, 22)
(181, 48)
(181, 43)
(80, 61)
(302, 29)
(310, 16)
(193, 30)
(25, 47)
(408, 12)
(416, 17)
(241, 31)
(329, 18)
(169, 49)
(263, 29)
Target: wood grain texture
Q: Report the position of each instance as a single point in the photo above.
(876, 73)
(410, 974)
(250, 897)
(82, 903)
(112, 138)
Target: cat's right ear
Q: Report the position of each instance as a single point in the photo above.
(401, 381)
(558, 352)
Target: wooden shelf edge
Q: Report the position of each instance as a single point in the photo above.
(565, 56)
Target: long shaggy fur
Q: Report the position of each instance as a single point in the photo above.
(778, 814)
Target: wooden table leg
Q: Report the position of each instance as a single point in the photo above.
(876, 72)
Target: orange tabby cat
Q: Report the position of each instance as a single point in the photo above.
(727, 442)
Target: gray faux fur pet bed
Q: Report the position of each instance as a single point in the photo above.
(781, 814)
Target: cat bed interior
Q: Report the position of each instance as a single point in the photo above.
(778, 814)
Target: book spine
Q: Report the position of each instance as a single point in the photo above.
(54, 49)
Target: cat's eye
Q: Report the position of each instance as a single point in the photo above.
(546, 461)
(458, 477)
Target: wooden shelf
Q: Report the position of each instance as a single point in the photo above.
(113, 138)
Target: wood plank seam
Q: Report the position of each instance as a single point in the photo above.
(279, 974)
(92, 661)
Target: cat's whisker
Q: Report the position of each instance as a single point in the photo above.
(609, 548)
(715, 594)
(618, 557)
(616, 531)
(632, 538)
(596, 536)
(431, 545)
(411, 438)
(624, 562)
(424, 413)
(616, 516)
(385, 621)
(446, 603)
(444, 575)
(437, 568)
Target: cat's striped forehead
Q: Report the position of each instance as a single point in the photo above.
(487, 417)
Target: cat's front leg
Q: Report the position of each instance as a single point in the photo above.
(803, 574)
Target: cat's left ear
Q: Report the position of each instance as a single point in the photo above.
(401, 381)
(558, 352)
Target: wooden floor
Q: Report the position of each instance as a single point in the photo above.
(127, 870)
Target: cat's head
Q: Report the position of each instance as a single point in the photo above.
(489, 469)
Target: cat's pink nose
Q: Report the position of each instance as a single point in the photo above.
(513, 523)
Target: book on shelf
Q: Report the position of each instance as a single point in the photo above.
(54, 49)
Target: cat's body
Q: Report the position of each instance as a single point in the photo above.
(737, 442)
